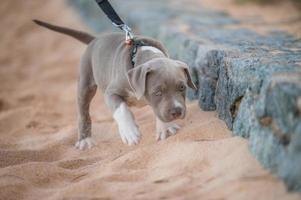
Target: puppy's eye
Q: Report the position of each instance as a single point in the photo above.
(182, 87)
(158, 93)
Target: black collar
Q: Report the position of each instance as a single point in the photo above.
(134, 47)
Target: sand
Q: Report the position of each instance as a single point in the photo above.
(38, 118)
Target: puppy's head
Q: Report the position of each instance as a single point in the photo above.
(163, 83)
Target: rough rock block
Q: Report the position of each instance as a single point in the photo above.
(276, 138)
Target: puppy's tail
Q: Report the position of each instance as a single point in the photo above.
(79, 35)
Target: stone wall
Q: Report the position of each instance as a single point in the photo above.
(252, 81)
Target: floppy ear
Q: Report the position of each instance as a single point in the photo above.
(137, 78)
(188, 75)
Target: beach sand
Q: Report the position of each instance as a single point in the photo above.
(38, 129)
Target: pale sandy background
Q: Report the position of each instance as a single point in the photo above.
(38, 72)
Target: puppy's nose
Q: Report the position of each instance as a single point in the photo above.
(176, 112)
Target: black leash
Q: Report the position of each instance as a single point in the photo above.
(130, 39)
(107, 8)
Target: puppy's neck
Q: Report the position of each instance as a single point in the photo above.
(146, 53)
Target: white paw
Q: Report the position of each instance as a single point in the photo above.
(165, 129)
(85, 143)
(129, 134)
(128, 129)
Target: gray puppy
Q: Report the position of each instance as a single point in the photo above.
(155, 79)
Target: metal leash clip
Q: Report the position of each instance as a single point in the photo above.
(128, 33)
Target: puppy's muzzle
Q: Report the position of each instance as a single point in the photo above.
(176, 113)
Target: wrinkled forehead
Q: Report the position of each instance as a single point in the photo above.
(166, 75)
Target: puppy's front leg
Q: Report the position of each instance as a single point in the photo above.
(165, 129)
(127, 127)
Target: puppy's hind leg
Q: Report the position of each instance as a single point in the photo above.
(86, 91)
